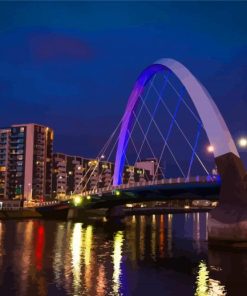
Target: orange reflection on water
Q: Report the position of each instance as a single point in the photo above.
(87, 257)
(153, 238)
(101, 281)
(162, 236)
(23, 256)
(169, 234)
(142, 236)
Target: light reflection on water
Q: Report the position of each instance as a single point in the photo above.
(145, 255)
(117, 258)
(206, 286)
(76, 251)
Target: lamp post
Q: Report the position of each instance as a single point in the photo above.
(242, 142)
(210, 149)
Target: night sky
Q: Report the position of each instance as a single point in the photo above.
(71, 66)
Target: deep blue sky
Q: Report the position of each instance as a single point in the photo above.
(72, 65)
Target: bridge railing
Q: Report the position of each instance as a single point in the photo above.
(179, 180)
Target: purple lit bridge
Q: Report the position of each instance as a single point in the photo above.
(171, 119)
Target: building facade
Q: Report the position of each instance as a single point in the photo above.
(4, 162)
(29, 162)
(67, 174)
(151, 165)
(75, 174)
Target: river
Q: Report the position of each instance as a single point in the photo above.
(145, 255)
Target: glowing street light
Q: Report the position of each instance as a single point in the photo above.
(242, 142)
(117, 192)
(210, 149)
(77, 200)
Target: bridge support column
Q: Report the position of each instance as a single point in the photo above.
(116, 212)
(72, 213)
(228, 221)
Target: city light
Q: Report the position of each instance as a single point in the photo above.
(117, 259)
(210, 149)
(88, 197)
(117, 192)
(242, 142)
(77, 200)
(76, 248)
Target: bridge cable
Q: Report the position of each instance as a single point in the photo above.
(168, 133)
(188, 107)
(179, 128)
(168, 147)
(194, 149)
(150, 123)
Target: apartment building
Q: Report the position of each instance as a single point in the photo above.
(152, 166)
(74, 174)
(4, 159)
(30, 161)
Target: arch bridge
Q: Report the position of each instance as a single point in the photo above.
(229, 220)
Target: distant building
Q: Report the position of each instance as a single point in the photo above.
(74, 174)
(151, 165)
(4, 162)
(67, 173)
(28, 161)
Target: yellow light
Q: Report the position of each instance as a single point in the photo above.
(202, 280)
(117, 192)
(205, 285)
(88, 243)
(76, 248)
(88, 197)
(77, 200)
(210, 148)
(242, 142)
(117, 259)
(3, 169)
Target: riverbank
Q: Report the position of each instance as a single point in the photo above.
(19, 214)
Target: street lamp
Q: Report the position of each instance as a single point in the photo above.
(210, 149)
(242, 142)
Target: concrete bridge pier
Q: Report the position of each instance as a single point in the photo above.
(72, 214)
(228, 221)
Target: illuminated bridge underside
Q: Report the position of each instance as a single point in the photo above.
(182, 191)
(213, 122)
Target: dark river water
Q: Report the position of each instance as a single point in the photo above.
(146, 255)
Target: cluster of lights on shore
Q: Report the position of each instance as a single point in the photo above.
(78, 200)
(242, 143)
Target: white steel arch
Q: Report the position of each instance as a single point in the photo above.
(213, 122)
